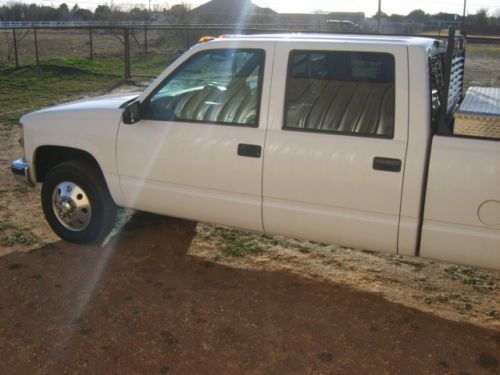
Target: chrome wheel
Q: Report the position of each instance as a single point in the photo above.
(71, 206)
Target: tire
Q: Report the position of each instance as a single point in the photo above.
(77, 203)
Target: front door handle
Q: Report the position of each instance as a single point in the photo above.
(386, 164)
(251, 151)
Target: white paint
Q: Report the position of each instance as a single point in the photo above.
(463, 174)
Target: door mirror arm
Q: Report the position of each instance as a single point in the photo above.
(132, 113)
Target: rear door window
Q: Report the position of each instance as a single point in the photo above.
(341, 92)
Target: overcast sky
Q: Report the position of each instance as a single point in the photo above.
(295, 6)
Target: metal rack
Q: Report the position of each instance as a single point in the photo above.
(451, 92)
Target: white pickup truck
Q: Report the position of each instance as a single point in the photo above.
(332, 138)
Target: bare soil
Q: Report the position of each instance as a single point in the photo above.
(143, 305)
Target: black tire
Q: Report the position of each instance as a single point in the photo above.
(91, 181)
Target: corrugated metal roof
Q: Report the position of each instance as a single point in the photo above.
(481, 101)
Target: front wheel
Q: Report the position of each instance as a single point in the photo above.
(77, 203)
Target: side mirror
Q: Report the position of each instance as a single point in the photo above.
(132, 113)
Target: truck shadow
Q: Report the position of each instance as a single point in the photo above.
(142, 305)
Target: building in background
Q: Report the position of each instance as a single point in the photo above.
(245, 12)
(230, 12)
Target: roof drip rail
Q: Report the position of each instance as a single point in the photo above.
(453, 81)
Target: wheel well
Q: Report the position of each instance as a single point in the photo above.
(47, 157)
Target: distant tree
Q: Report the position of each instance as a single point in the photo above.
(83, 15)
(396, 18)
(138, 14)
(63, 12)
(418, 15)
(103, 13)
(179, 13)
(17, 12)
(382, 15)
(75, 9)
(79, 14)
(48, 14)
(481, 17)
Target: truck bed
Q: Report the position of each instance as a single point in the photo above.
(479, 113)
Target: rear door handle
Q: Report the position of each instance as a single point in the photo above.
(251, 151)
(386, 164)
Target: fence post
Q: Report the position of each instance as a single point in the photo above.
(15, 48)
(127, 53)
(36, 47)
(145, 40)
(91, 44)
(186, 39)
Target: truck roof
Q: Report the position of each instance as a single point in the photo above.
(341, 38)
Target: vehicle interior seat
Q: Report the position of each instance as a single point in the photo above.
(341, 92)
(236, 103)
(341, 106)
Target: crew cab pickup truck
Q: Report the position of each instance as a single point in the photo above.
(331, 138)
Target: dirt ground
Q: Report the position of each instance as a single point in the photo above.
(170, 296)
(143, 305)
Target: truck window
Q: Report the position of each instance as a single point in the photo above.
(221, 86)
(340, 92)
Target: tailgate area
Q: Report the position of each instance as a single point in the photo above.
(462, 206)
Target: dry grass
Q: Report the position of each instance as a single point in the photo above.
(482, 65)
(76, 43)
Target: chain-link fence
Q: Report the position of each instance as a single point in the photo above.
(131, 48)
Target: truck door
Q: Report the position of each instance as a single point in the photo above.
(197, 151)
(335, 149)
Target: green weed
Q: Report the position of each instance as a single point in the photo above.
(18, 238)
(441, 298)
(479, 280)
(241, 247)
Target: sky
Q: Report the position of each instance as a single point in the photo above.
(307, 6)
(388, 6)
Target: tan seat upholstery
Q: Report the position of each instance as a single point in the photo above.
(343, 106)
(237, 103)
(301, 96)
(192, 103)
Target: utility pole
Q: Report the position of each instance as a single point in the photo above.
(36, 47)
(126, 55)
(15, 48)
(149, 10)
(378, 14)
(463, 16)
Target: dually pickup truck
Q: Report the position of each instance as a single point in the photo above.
(332, 138)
